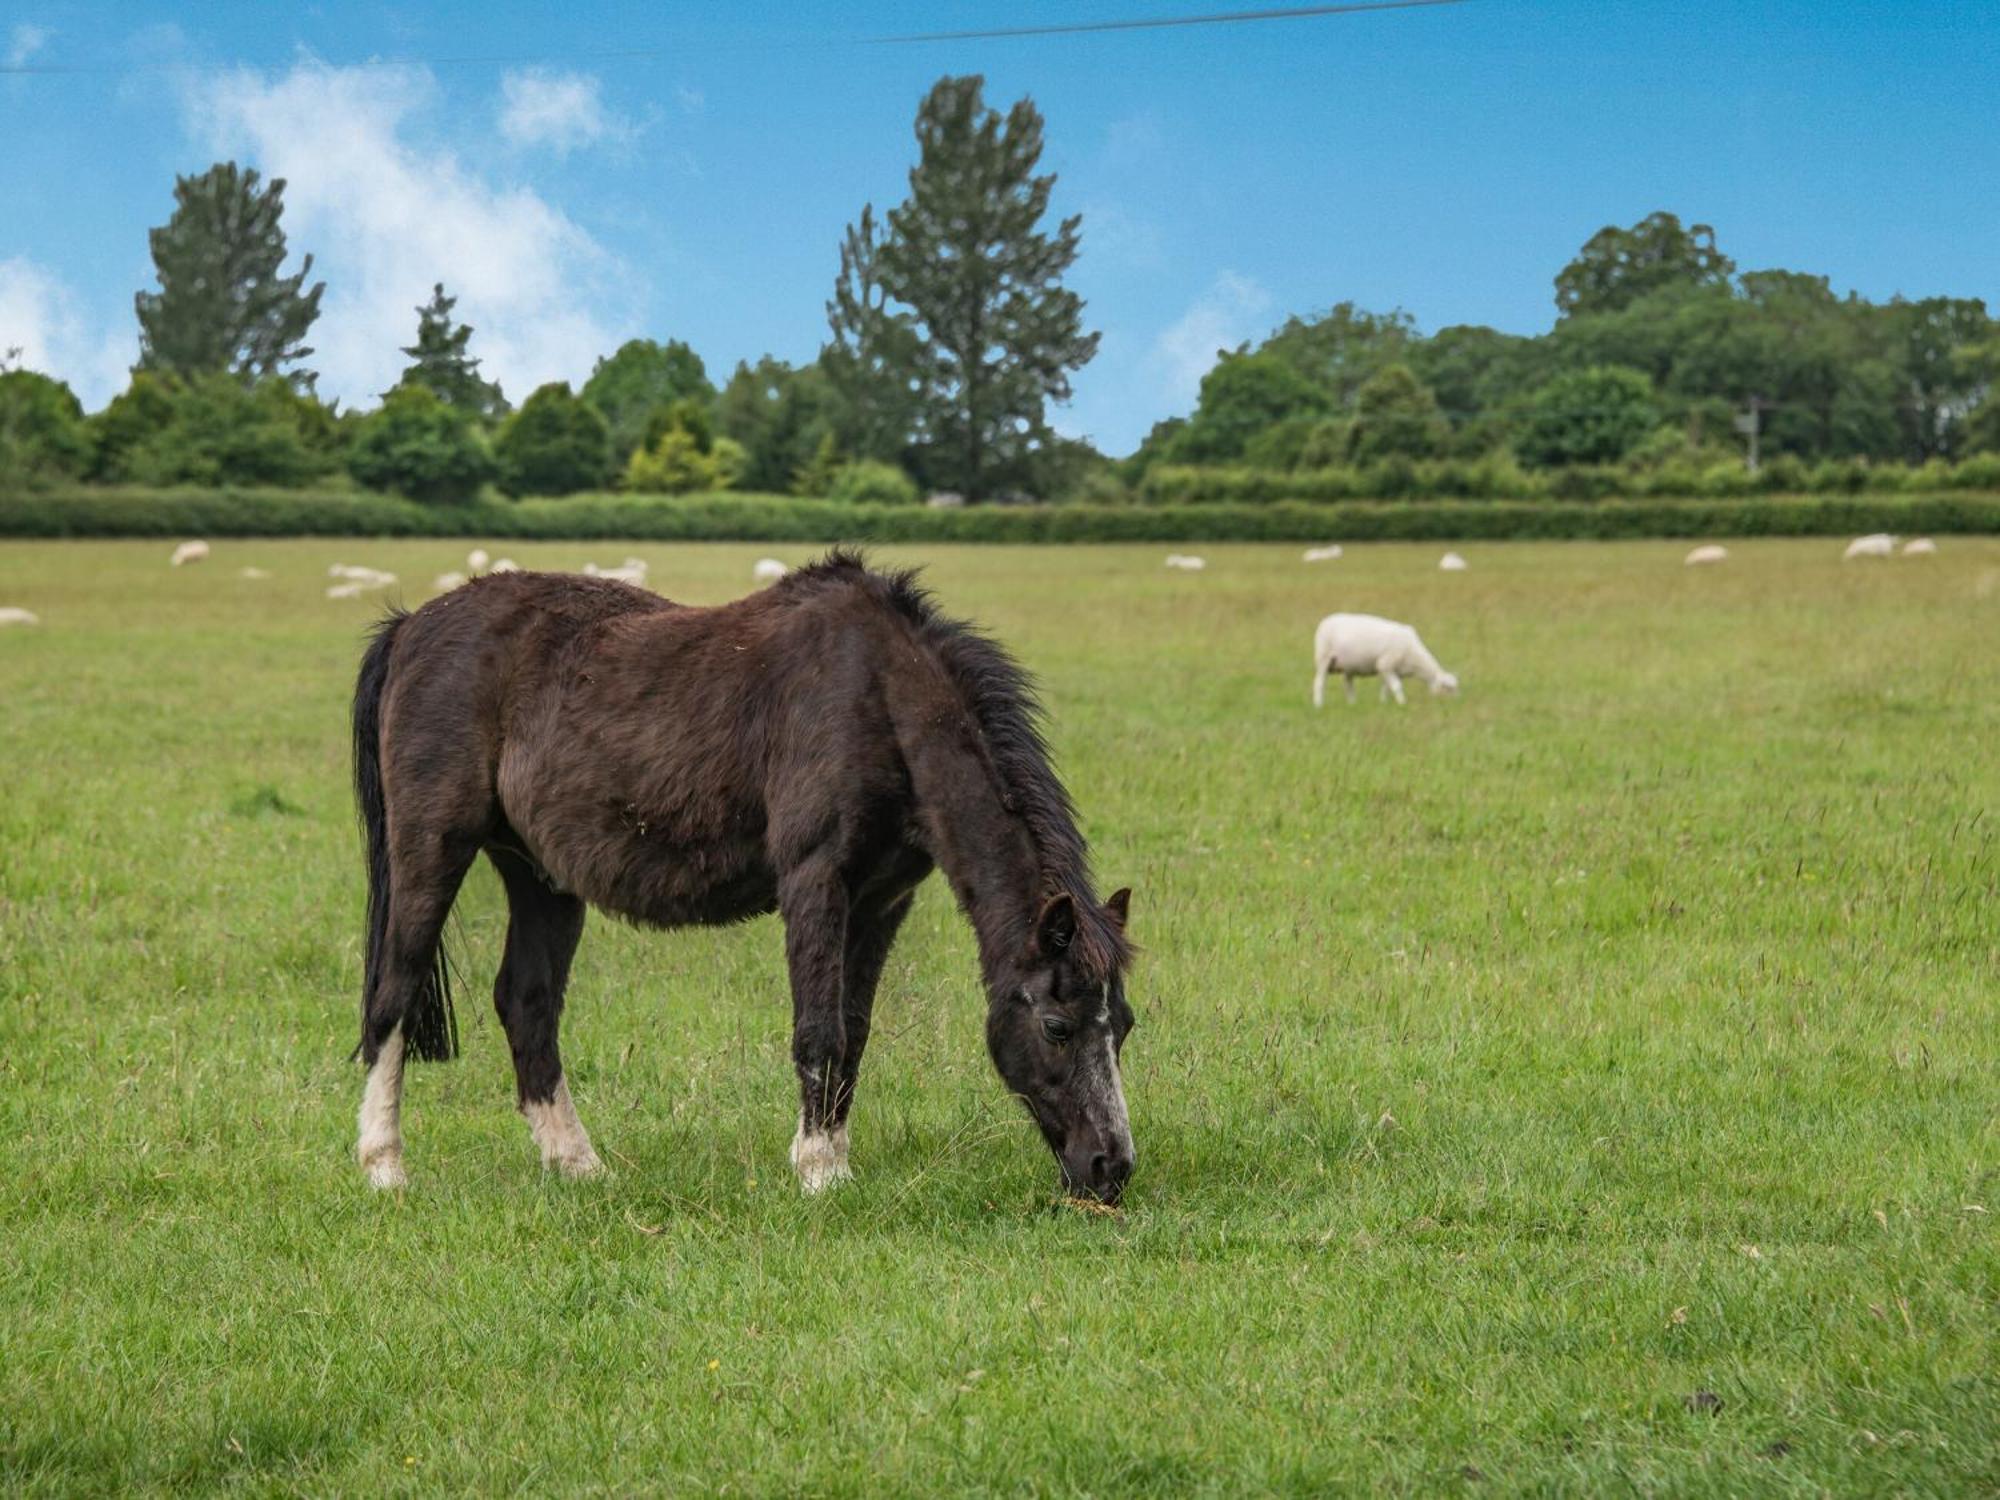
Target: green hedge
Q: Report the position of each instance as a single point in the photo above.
(89, 512)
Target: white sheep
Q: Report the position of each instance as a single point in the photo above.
(13, 614)
(505, 565)
(252, 573)
(1707, 554)
(768, 570)
(344, 590)
(1322, 554)
(1186, 564)
(190, 552)
(367, 578)
(1369, 646)
(444, 583)
(1876, 544)
(476, 560)
(632, 570)
(1921, 546)
(1451, 562)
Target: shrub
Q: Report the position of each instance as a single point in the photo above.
(42, 432)
(1396, 417)
(220, 429)
(866, 482)
(129, 419)
(1980, 472)
(415, 445)
(556, 444)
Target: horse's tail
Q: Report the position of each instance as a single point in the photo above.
(429, 1029)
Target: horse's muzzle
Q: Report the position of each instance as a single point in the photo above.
(1099, 1169)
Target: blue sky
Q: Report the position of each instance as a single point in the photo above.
(1444, 160)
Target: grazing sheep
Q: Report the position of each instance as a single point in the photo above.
(476, 560)
(444, 583)
(632, 570)
(1451, 562)
(1707, 554)
(1322, 554)
(190, 552)
(1186, 564)
(367, 578)
(506, 565)
(1876, 544)
(252, 573)
(345, 590)
(768, 570)
(15, 615)
(1369, 646)
(1921, 546)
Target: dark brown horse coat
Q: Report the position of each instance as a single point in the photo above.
(814, 748)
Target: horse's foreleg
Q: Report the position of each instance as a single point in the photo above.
(543, 928)
(814, 905)
(868, 942)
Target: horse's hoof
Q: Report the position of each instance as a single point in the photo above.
(820, 1159)
(386, 1173)
(578, 1168)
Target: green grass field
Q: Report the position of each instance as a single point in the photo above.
(1516, 1078)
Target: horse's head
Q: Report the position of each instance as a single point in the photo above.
(1056, 1028)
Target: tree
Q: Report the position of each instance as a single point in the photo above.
(222, 306)
(556, 444)
(1340, 348)
(1396, 416)
(779, 414)
(673, 464)
(1240, 397)
(637, 381)
(128, 420)
(417, 446)
(439, 362)
(872, 362)
(966, 255)
(1593, 416)
(42, 433)
(1616, 267)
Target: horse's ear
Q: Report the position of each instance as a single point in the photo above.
(1119, 906)
(1055, 928)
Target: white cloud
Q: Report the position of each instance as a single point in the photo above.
(692, 100)
(387, 214)
(24, 42)
(559, 110)
(1234, 308)
(40, 317)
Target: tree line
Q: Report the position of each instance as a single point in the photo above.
(949, 334)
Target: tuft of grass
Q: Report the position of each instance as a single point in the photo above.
(1586, 1084)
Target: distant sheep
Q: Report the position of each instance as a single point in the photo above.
(768, 570)
(506, 565)
(252, 573)
(1370, 646)
(364, 578)
(632, 570)
(1921, 546)
(1877, 544)
(345, 590)
(1186, 564)
(1451, 562)
(1322, 554)
(1708, 554)
(476, 560)
(190, 552)
(15, 615)
(444, 583)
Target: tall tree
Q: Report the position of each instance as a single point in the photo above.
(1616, 266)
(873, 358)
(222, 304)
(967, 255)
(439, 361)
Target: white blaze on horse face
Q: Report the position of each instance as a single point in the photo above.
(1119, 1126)
(820, 1157)
(380, 1147)
(560, 1134)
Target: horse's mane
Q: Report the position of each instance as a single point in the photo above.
(1001, 697)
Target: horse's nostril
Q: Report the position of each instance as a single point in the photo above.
(1100, 1170)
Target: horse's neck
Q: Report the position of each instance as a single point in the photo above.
(982, 845)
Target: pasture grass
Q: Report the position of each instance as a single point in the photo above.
(1589, 1084)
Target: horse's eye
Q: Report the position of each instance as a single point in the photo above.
(1056, 1031)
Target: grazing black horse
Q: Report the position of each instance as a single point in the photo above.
(814, 748)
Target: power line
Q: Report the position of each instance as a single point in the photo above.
(634, 54)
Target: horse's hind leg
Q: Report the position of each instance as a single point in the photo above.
(543, 928)
(425, 874)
